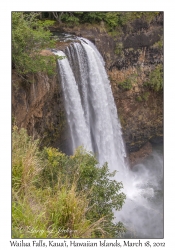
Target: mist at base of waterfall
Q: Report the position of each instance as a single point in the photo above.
(142, 213)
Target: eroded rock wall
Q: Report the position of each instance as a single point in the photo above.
(39, 107)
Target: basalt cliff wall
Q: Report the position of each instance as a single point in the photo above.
(39, 108)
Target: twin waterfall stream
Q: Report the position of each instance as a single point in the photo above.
(94, 123)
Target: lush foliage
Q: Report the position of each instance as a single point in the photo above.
(155, 78)
(111, 19)
(29, 37)
(128, 83)
(60, 196)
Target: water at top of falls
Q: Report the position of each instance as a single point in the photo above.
(93, 123)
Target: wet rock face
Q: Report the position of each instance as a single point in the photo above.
(140, 155)
(39, 107)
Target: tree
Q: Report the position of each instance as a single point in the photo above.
(103, 192)
(29, 36)
(155, 78)
(57, 16)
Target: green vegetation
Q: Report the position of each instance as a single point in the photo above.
(128, 82)
(118, 49)
(159, 44)
(29, 36)
(60, 196)
(155, 78)
(143, 97)
(113, 20)
(139, 98)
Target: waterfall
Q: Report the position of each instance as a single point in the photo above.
(94, 123)
(90, 107)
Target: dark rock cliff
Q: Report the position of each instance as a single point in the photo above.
(39, 108)
(130, 55)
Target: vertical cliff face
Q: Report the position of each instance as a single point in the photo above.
(131, 55)
(38, 106)
(140, 107)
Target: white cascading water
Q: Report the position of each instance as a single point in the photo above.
(94, 124)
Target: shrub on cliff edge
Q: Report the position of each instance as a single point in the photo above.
(29, 36)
